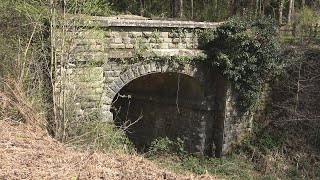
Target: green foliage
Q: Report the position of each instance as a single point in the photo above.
(164, 145)
(92, 7)
(247, 53)
(161, 145)
(266, 140)
(173, 61)
(179, 33)
(306, 23)
(231, 167)
(307, 17)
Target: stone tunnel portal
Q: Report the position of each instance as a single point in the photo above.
(165, 105)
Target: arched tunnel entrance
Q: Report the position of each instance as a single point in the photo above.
(169, 105)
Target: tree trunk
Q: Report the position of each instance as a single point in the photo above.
(173, 8)
(177, 8)
(180, 8)
(234, 7)
(256, 8)
(141, 7)
(263, 4)
(53, 63)
(291, 11)
(192, 10)
(150, 8)
(260, 7)
(281, 5)
(303, 2)
(216, 9)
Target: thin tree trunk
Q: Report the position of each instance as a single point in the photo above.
(181, 8)
(173, 8)
(291, 11)
(141, 8)
(177, 7)
(297, 99)
(260, 7)
(303, 2)
(149, 8)
(192, 10)
(281, 5)
(53, 67)
(263, 6)
(234, 7)
(216, 9)
(256, 8)
(63, 75)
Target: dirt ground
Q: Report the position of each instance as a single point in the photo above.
(27, 152)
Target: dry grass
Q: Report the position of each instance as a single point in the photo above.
(15, 105)
(29, 153)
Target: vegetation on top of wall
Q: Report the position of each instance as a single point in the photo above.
(92, 7)
(248, 53)
(171, 60)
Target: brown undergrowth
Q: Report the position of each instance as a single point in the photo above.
(29, 153)
(16, 106)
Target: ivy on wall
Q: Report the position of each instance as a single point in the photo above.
(247, 52)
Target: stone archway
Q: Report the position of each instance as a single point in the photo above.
(139, 70)
(136, 71)
(164, 102)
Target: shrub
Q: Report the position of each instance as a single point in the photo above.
(164, 145)
(246, 51)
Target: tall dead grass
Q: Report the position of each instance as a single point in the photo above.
(15, 106)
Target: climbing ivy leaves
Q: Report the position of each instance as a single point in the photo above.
(247, 53)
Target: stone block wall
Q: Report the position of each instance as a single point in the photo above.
(238, 125)
(97, 60)
(128, 42)
(96, 54)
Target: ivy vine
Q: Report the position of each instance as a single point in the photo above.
(247, 52)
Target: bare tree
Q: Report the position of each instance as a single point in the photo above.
(297, 96)
(216, 8)
(192, 10)
(141, 7)
(177, 8)
(281, 6)
(53, 58)
(180, 8)
(290, 11)
(256, 11)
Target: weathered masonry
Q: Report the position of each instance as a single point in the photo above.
(131, 72)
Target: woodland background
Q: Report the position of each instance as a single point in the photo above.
(285, 145)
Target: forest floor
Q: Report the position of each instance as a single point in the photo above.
(27, 152)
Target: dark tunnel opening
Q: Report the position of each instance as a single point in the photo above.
(169, 105)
